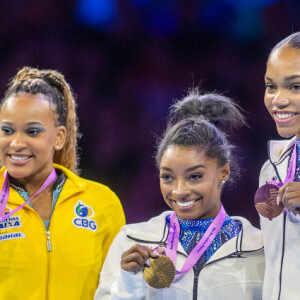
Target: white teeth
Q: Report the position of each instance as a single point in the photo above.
(284, 115)
(14, 157)
(185, 203)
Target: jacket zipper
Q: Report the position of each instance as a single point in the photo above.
(49, 248)
(195, 285)
(282, 255)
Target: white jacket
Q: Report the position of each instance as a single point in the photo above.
(282, 234)
(234, 272)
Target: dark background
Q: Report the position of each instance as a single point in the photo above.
(127, 61)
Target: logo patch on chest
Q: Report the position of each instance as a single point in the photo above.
(11, 222)
(11, 236)
(84, 214)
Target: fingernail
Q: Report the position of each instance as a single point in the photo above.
(278, 200)
(147, 262)
(155, 253)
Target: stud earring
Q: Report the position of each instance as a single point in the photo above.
(57, 147)
(224, 180)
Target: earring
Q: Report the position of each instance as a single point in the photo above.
(57, 147)
(224, 180)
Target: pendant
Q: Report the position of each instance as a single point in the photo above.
(161, 272)
(265, 201)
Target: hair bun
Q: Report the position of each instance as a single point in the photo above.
(216, 109)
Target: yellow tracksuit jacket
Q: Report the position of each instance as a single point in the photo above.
(64, 262)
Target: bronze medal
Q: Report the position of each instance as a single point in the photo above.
(265, 200)
(161, 272)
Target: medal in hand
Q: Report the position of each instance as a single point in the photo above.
(161, 272)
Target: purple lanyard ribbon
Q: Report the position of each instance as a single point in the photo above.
(292, 167)
(290, 172)
(202, 245)
(4, 194)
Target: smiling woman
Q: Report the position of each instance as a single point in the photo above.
(283, 90)
(216, 256)
(190, 182)
(28, 139)
(55, 227)
(282, 234)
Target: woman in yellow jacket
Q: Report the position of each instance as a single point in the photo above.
(56, 227)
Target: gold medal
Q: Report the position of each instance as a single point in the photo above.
(161, 272)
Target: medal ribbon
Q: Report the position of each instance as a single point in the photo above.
(202, 245)
(292, 167)
(290, 172)
(4, 194)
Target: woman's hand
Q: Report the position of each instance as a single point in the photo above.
(289, 195)
(134, 259)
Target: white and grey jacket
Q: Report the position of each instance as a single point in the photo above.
(282, 234)
(235, 271)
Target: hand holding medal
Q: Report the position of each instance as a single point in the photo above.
(138, 257)
(161, 271)
(271, 198)
(158, 267)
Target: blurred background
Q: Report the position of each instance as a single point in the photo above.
(128, 60)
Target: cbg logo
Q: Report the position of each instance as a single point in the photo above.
(84, 214)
